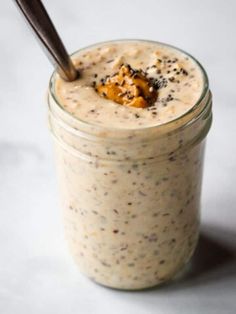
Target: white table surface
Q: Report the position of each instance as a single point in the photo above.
(37, 274)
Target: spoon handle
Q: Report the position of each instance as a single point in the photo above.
(39, 20)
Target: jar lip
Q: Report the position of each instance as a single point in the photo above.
(102, 128)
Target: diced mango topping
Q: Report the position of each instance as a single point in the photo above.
(128, 87)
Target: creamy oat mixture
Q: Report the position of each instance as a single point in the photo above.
(177, 77)
(131, 207)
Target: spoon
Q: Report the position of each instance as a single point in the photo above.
(39, 20)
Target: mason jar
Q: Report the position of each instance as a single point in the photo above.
(130, 197)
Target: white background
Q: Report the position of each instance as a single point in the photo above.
(37, 274)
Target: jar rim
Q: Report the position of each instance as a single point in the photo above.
(100, 128)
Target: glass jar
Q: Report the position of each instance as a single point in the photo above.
(131, 197)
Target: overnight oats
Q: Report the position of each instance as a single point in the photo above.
(129, 139)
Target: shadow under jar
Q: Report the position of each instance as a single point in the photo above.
(131, 197)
